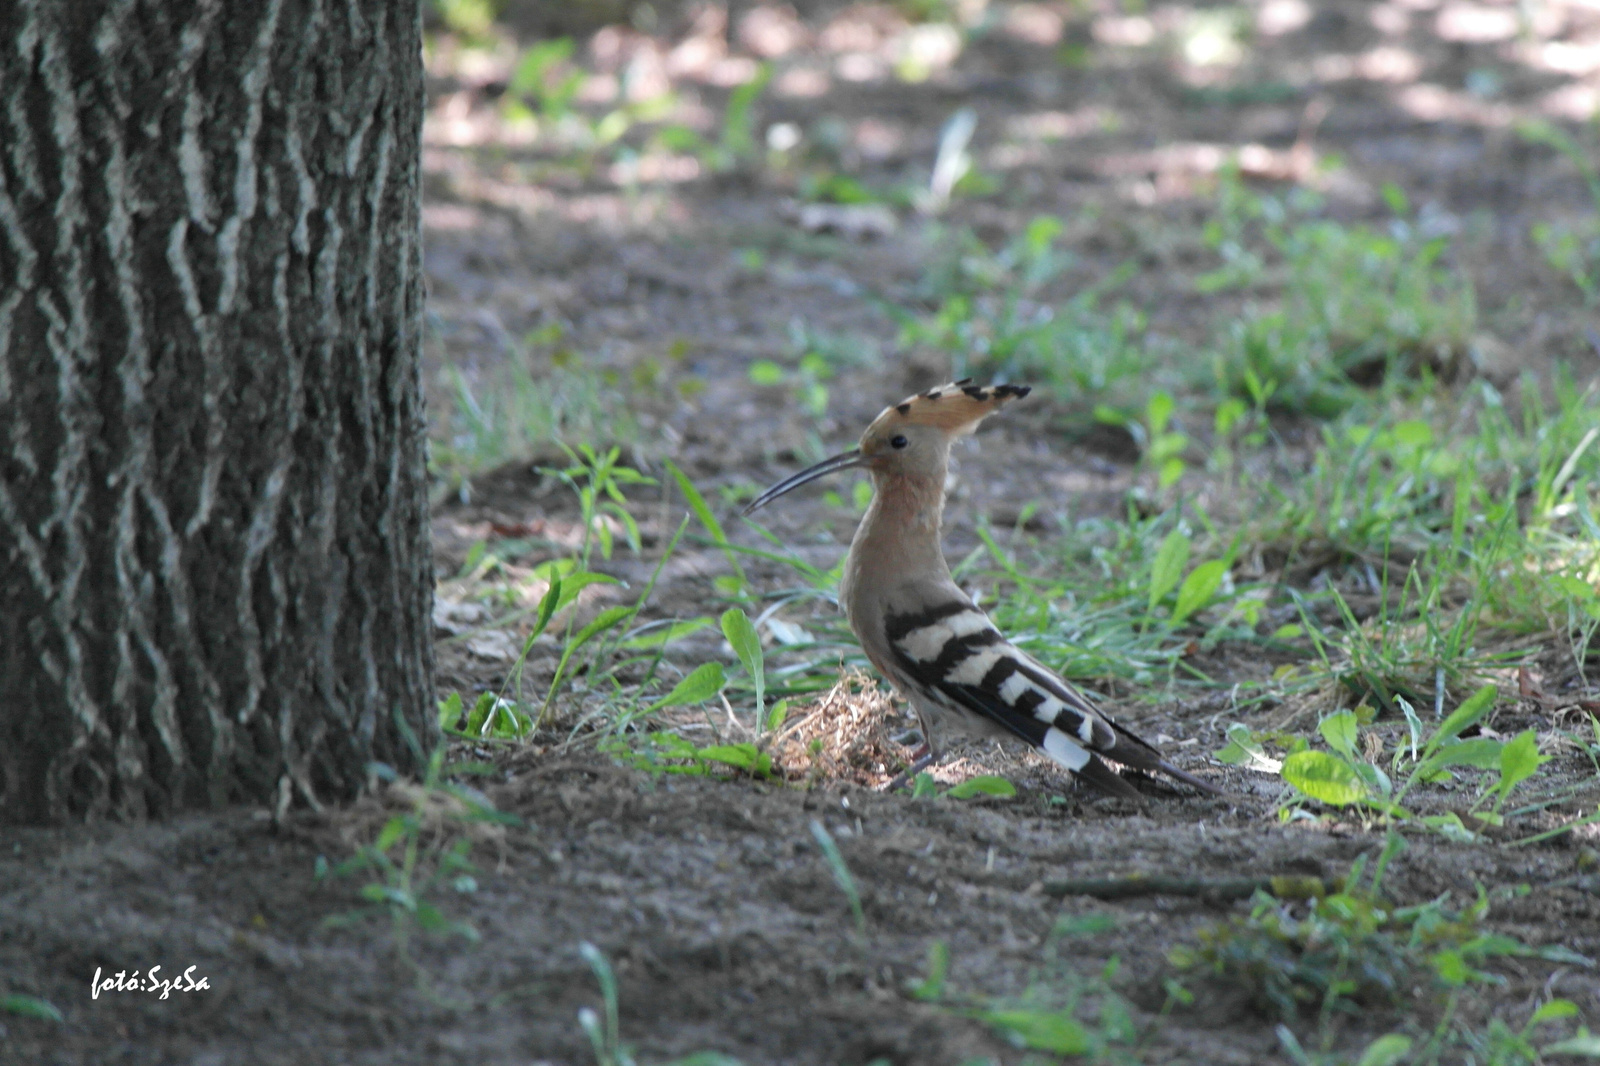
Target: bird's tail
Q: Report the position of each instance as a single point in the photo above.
(1189, 779)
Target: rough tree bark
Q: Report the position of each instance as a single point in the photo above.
(215, 576)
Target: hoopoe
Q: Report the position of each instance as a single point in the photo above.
(924, 634)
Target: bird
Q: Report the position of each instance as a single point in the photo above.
(925, 635)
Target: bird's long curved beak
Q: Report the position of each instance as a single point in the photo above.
(843, 461)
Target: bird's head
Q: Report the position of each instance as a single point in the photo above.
(912, 438)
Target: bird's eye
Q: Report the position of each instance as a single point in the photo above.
(898, 442)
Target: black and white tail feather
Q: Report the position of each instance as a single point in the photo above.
(953, 656)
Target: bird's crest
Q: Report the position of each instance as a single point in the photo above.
(956, 408)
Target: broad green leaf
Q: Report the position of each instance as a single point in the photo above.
(766, 372)
(742, 756)
(1240, 747)
(606, 619)
(1243, 749)
(986, 785)
(1451, 968)
(1574, 587)
(1472, 710)
(923, 785)
(663, 635)
(1171, 471)
(1395, 197)
(1054, 1031)
(1340, 731)
(1482, 752)
(29, 1007)
(1448, 825)
(1166, 447)
(1159, 411)
(475, 556)
(1562, 953)
(1489, 944)
(1198, 588)
(549, 604)
(1413, 434)
(1519, 760)
(1553, 1010)
(1324, 777)
(672, 746)
(571, 585)
(701, 683)
(1377, 781)
(450, 711)
(746, 642)
(780, 711)
(507, 720)
(482, 707)
(392, 831)
(630, 525)
(529, 76)
(1584, 1045)
(1386, 1050)
(1083, 924)
(1229, 411)
(1170, 560)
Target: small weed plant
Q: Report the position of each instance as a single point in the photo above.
(420, 853)
(1352, 951)
(1063, 1011)
(1350, 773)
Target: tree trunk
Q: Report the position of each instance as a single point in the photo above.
(215, 574)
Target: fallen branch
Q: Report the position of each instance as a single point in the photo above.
(1227, 888)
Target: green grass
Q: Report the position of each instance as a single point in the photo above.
(1571, 248)
(1353, 953)
(610, 676)
(1114, 599)
(1333, 308)
(420, 854)
(1064, 1008)
(1331, 311)
(543, 396)
(990, 313)
(1422, 540)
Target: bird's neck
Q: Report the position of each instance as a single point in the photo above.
(898, 537)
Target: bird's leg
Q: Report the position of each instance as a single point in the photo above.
(921, 759)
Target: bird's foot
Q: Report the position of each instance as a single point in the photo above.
(922, 758)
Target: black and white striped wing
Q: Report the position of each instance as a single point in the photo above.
(955, 656)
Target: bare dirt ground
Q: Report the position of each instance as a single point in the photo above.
(711, 897)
